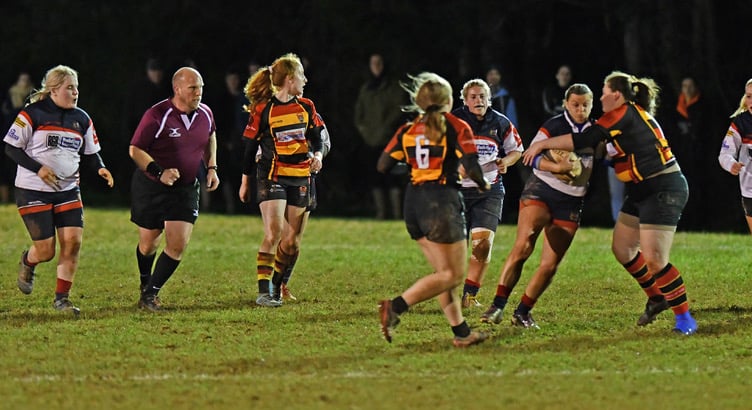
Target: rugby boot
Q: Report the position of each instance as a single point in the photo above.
(472, 339)
(389, 319)
(652, 309)
(25, 275)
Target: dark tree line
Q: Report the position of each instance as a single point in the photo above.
(108, 43)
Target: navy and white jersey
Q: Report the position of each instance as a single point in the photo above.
(559, 125)
(737, 147)
(494, 137)
(54, 137)
(175, 139)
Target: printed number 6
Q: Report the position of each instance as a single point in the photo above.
(421, 153)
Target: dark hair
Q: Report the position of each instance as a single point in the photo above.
(641, 91)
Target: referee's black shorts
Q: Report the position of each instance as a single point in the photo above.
(153, 203)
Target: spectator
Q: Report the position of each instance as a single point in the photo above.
(377, 115)
(146, 90)
(501, 100)
(687, 146)
(552, 94)
(615, 189)
(13, 103)
(231, 118)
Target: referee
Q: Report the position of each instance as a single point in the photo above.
(175, 138)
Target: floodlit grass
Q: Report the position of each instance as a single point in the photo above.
(214, 349)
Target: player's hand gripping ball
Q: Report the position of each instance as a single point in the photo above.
(559, 156)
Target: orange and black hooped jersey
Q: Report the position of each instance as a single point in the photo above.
(284, 130)
(432, 161)
(634, 140)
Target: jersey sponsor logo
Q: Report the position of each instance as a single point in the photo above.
(291, 135)
(485, 148)
(12, 134)
(64, 142)
(174, 133)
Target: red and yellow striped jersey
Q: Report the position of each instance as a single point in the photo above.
(283, 130)
(636, 143)
(432, 161)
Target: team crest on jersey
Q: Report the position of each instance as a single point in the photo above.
(76, 126)
(301, 118)
(174, 133)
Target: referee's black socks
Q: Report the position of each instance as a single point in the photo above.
(164, 268)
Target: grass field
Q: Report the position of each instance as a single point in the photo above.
(213, 348)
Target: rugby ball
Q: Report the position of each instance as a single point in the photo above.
(560, 155)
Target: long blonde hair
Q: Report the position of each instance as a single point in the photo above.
(268, 80)
(53, 79)
(742, 106)
(429, 94)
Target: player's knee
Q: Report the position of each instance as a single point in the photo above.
(44, 250)
(482, 245)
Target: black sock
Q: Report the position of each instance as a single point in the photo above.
(288, 270)
(277, 285)
(470, 289)
(145, 263)
(523, 309)
(399, 306)
(500, 302)
(461, 330)
(263, 285)
(164, 268)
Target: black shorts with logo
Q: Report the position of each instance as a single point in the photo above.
(153, 203)
(564, 208)
(43, 212)
(435, 211)
(483, 209)
(659, 200)
(300, 196)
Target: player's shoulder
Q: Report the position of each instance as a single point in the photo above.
(456, 121)
(306, 101)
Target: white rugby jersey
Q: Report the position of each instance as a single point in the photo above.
(494, 137)
(737, 146)
(54, 137)
(559, 125)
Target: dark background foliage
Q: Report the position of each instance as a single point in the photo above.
(108, 43)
